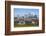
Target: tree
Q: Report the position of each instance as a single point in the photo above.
(15, 17)
(18, 16)
(30, 15)
(35, 16)
(22, 16)
(26, 16)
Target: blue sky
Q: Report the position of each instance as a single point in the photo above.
(23, 11)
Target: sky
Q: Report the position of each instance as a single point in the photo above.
(23, 11)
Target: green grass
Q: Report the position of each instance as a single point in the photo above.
(25, 25)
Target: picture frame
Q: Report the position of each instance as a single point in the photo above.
(9, 30)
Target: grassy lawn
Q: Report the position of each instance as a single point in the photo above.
(25, 25)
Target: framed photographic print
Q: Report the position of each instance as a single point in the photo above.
(24, 17)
